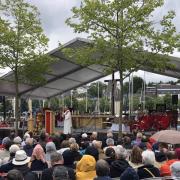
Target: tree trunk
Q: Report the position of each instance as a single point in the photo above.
(121, 103)
(16, 102)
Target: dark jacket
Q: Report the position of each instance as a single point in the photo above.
(109, 160)
(160, 156)
(102, 178)
(47, 173)
(28, 149)
(6, 167)
(143, 173)
(129, 174)
(117, 167)
(38, 165)
(27, 174)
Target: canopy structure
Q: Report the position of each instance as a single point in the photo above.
(67, 75)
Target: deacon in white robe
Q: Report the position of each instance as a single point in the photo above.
(67, 121)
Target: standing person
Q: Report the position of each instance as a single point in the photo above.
(67, 121)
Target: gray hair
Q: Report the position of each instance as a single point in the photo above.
(148, 157)
(60, 172)
(110, 141)
(14, 174)
(121, 152)
(55, 157)
(102, 168)
(175, 169)
(50, 147)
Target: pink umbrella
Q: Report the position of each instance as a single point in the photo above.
(167, 136)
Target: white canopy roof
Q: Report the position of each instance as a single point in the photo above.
(67, 75)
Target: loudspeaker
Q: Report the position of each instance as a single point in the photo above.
(175, 99)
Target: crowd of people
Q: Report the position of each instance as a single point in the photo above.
(86, 157)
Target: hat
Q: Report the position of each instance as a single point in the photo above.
(17, 140)
(20, 158)
(84, 135)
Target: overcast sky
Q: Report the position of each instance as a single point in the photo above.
(55, 12)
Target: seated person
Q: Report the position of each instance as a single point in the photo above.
(165, 168)
(148, 170)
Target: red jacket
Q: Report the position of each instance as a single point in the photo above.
(165, 168)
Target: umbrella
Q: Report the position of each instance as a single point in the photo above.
(167, 136)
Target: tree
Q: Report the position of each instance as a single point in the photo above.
(123, 36)
(93, 89)
(22, 45)
(168, 101)
(137, 85)
(104, 104)
(150, 102)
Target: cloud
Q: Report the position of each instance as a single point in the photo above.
(53, 14)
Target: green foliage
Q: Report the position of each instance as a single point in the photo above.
(137, 85)
(123, 36)
(93, 89)
(22, 42)
(104, 105)
(168, 101)
(22, 45)
(150, 102)
(121, 33)
(159, 100)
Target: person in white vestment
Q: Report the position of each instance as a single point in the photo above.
(67, 121)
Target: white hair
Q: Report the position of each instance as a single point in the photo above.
(84, 135)
(175, 169)
(121, 152)
(13, 148)
(94, 133)
(26, 135)
(94, 142)
(148, 157)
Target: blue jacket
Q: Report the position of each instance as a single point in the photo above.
(102, 178)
